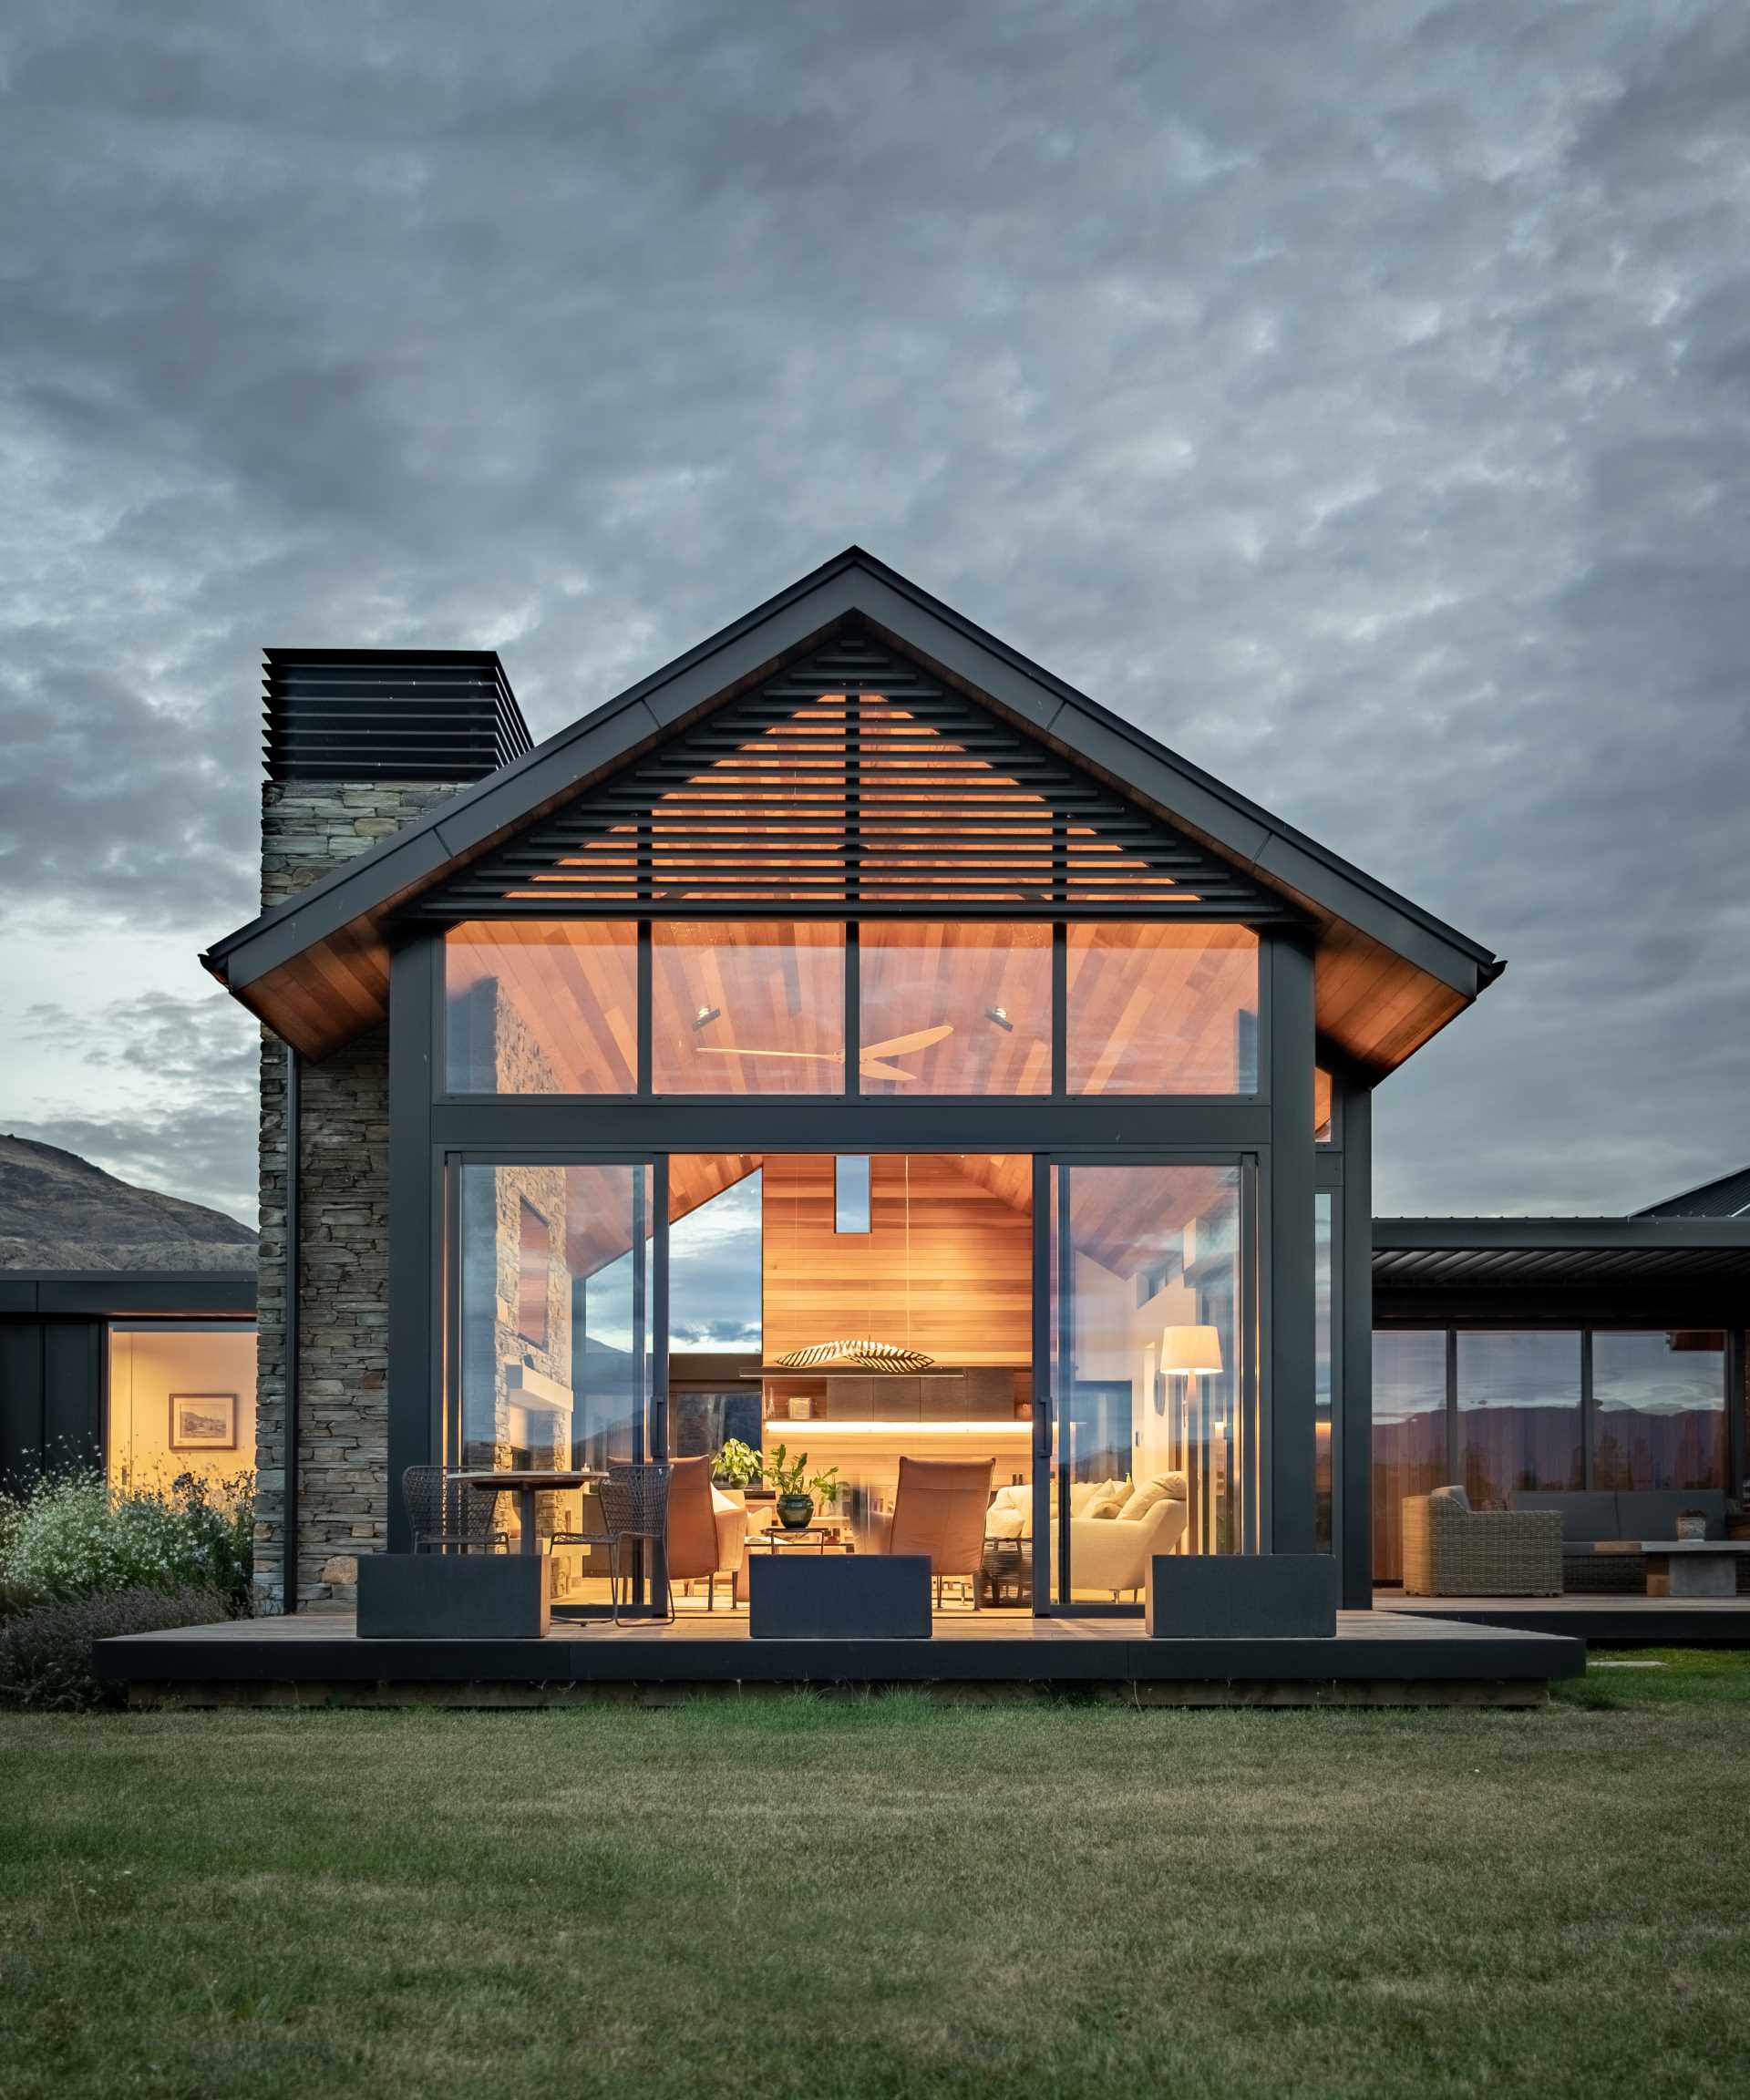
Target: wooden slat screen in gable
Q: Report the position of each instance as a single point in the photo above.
(854, 781)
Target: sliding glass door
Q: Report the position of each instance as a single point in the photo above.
(558, 1344)
(1146, 1429)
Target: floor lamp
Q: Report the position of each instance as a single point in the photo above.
(1191, 1354)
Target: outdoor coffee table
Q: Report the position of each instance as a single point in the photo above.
(819, 1535)
(525, 1486)
(1692, 1566)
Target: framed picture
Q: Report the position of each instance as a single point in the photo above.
(203, 1421)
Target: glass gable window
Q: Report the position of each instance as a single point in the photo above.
(1659, 1410)
(1409, 1439)
(950, 1008)
(1163, 1009)
(540, 1006)
(1519, 1414)
(757, 1007)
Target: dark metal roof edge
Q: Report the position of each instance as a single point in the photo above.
(1530, 1235)
(168, 1293)
(1242, 829)
(1663, 1206)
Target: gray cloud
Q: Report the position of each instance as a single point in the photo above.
(171, 1087)
(1354, 398)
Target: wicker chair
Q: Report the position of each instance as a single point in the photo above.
(1452, 1550)
(634, 1502)
(447, 1515)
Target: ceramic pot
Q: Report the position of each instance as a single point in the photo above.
(1691, 1528)
(796, 1512)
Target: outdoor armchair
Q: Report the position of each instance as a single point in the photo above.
(1452, 1550)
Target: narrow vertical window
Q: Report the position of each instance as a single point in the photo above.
(850, 1192)
(534, 1268)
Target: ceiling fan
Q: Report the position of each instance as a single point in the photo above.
(872, 1060)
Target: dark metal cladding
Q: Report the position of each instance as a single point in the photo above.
(853, 780)
(389, 715)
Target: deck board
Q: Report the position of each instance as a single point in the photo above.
(1374, 1652)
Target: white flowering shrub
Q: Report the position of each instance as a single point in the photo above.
(72, 1535)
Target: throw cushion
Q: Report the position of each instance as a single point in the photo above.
(1163, 1488)
(1456, 1495)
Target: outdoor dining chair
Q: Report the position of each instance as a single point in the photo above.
(633, 1504)
(448, 1516)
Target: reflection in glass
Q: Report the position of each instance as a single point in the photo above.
(1153, 1426)
(753, 1008)
(1163, 1009)
(1325, 1415)
(1322, 1132)
(954, 1008)
(1409, 1440)
(576, 1392)
(1659, 1410)
(535, 1006)
(1519, 1414)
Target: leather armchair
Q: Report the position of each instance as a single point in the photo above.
(707, 1530)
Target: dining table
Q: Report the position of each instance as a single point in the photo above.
(525, 1483)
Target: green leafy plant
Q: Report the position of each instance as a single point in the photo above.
(737, 1464)
(70, 1534)
(791, 1476)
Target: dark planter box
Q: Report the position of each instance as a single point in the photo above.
(453, 1596)
(838, 1596)
(1269, 1596)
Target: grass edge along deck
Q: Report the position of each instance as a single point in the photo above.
(1376, 1658)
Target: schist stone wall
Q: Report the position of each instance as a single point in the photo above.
(307, 828)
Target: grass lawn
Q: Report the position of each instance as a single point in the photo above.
(800, 1898)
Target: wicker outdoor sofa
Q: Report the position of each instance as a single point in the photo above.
(1452, 1550)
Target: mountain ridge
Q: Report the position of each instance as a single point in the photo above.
(59, 1211)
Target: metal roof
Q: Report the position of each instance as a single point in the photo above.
(316, 967)
(1729, 1197)
(1529, 1254)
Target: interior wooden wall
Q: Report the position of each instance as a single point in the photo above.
(968, 1299)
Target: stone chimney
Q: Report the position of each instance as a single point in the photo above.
(359, 742)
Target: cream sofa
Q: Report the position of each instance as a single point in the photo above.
(1115, 1529)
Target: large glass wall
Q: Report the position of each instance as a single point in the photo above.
(181, 1400)
(1519, 1414)
(944, 1008)
(1156, 1447)
(1163, 1009)
(554, 1298)
(952, 1008)
(1409, 1454)
(1324, 1417)
(1659, 1409)
(1559, 1411)
(535, 1006)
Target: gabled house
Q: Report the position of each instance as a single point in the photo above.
(850, 1037)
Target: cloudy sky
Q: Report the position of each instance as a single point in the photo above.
(1357, 398)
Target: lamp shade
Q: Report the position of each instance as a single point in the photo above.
(1194, 1352)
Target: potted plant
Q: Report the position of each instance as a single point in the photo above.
(1692, 1524)
(737, 1464)
(796, 1488)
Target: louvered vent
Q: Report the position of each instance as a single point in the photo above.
(389, 715)
(852, 780)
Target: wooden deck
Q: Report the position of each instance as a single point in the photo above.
(1376, 1658)
(1627, 1621)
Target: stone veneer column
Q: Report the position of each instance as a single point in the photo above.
(307, 828)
